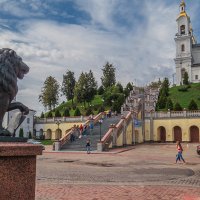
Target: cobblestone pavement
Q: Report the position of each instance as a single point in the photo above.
(145, 172)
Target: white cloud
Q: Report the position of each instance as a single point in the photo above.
(143, 52)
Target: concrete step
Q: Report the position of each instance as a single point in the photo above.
(93, 135)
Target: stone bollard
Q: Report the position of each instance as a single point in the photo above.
(57, 145)
(18, 170)
(100, 146)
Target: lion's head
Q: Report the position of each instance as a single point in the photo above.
(11, 68)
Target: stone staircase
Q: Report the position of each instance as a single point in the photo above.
(138, 100)
(93, 135)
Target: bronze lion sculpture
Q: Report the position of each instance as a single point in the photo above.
(11, 69)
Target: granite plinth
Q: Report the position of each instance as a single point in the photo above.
(18, 170)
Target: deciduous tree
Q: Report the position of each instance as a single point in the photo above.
(50, 93)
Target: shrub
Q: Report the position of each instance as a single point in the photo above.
(49, 114)
(74, 107)
(178, 107)
(42, 137)
(101, 109)
(183, 89)
(100, 90)
(96, 107)
(21, 132)
(185, 79)
(42, 115)
(192, 105)
(162, 100)
(89, 112)
(77, 112)
(66, 113)
(57, 113)
(29, 135)
(169, 104)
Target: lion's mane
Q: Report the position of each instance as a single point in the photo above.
(10, 64)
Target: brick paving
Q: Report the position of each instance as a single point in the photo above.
(115, 192)
(147, 172)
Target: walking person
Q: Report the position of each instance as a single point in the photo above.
(81, 129)
(179, 155)
(88, 146)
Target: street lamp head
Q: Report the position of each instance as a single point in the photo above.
(58, 122)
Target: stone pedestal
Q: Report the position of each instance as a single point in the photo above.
(57, 145)
(100, 146)
(18, 170)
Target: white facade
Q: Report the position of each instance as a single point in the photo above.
(27, 124)
(187, 50)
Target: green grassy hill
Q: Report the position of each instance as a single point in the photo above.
(94, 105)
(184, 97)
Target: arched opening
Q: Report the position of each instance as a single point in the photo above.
(183, 72)
(182, 28)
(34, 133)
(177, 134)
(48, 134)
(58, 134)
(194, 134)
(136, 136)
(182, 47)
(162, 134)
(41, 134)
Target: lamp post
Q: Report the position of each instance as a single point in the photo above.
(58, 122)
(100, 122)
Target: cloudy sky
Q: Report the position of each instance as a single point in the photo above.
(136, 36)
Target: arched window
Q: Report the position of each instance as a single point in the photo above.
(182, 29)
(182, 47)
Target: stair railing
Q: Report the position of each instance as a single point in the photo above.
(109, 139)
(66, 137)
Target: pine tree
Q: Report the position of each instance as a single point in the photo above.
(192, 105)
(100, 90)
(21, 132)
(68, 85)
(66, 113)
(91, 88)
(57, 113)
(120, 87)
(77, 112)
(108, 79)
(163, 94)
(42, 115)
(29, 135)
(169, 104)
(165, 88)
(177, 107)
(128, 88)
(81, 88)
(162, 100)
(185, 79)
(49, 114)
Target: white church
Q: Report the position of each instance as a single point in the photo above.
(187, 49)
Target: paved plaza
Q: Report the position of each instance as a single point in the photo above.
(145, 172)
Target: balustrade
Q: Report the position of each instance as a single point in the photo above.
(173, 114)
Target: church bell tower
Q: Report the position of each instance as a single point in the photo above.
(184, 41)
